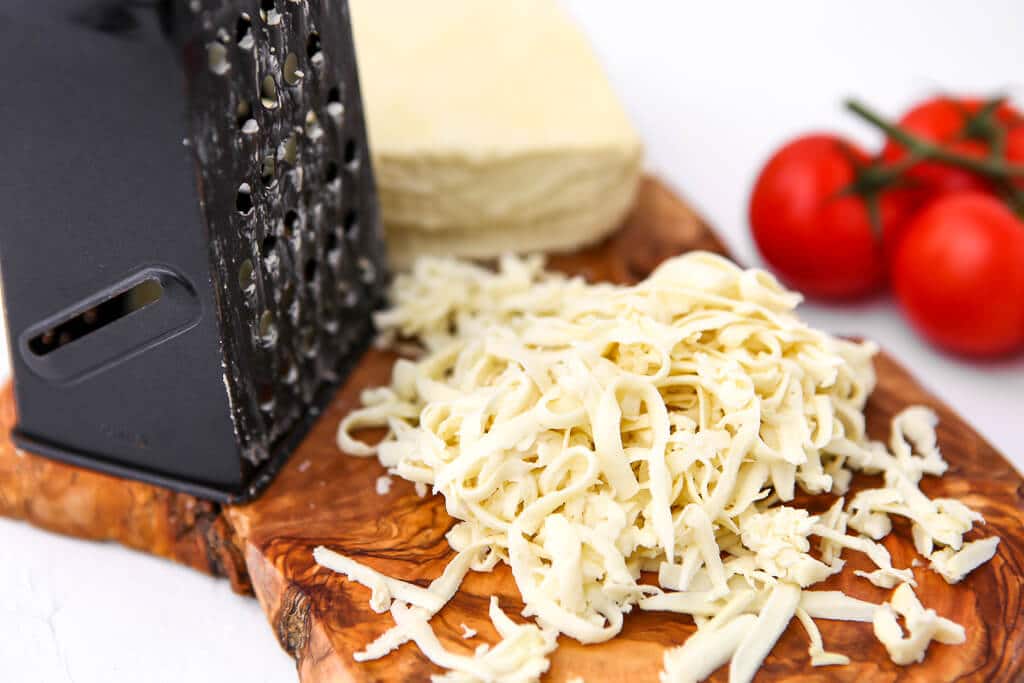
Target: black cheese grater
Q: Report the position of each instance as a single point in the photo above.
(189, 239)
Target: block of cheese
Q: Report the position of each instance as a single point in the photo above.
(493, 127)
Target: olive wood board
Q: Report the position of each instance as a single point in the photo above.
(324, 497)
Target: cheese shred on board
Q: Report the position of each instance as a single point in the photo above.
(585, 433)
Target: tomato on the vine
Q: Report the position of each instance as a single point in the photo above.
(945, 120)
(959, 274)
(813, 228)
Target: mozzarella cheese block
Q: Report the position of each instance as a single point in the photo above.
(493, 128)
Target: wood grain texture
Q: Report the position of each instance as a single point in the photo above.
(85, 504)
(325, 497)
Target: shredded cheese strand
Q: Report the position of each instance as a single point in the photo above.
(586, 433)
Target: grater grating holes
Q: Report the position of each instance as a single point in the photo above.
(269, 13)
(247, 278)
(289, 373)
(288, 151)
(335, 109)
(267, 330)
(268, 245)
(290, 72)
(351, 222)
(300, 275)
(217, 56)
(291, 223)
(351, 154)
(243, 114)
(265, 392)
(268, 92)
(331, 172)
(243, 200)
(272, 257)
(268, 174)
(330, 243)
(313, 51)
(243, 32)
(314, 131)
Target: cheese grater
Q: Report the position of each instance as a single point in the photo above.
(190, 242)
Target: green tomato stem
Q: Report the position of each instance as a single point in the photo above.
(925, 150)
(983, 124)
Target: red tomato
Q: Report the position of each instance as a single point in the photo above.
(814, 233)
(959, 274)
(943, 120)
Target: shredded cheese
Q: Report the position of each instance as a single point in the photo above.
(384, 588)
(705, 651)
(819, 657)
(584, 434)
(923, 626)
(954, 566)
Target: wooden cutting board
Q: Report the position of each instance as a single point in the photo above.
(325, 497)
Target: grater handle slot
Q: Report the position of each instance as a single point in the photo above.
(127, 302)
(110, 326)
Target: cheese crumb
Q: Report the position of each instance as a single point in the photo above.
(954, 566)
(923, 626)
(520, 656)
(383, 485)
(468, 632)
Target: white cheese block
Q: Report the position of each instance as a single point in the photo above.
(493, 127)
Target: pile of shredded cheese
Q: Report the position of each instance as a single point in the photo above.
(585, 433)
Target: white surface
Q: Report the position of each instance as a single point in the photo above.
(713, 88)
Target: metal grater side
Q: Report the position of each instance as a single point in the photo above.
(193, 250)
(295, 244)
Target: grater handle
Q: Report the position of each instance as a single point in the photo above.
(110, 326)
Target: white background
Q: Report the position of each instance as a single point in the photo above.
(713, 88)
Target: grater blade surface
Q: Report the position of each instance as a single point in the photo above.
(295, 244)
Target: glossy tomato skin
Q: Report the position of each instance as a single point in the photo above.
(899, 206)
(816, 237)
(942, 120)
(959, 275)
